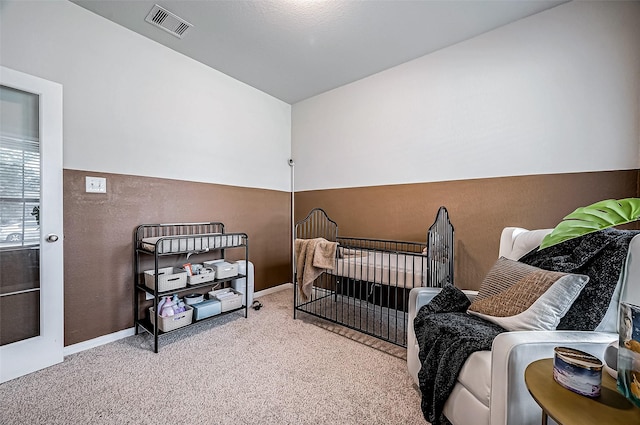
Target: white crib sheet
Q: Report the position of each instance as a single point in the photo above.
(386, 268)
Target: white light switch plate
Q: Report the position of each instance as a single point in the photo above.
(96, 184)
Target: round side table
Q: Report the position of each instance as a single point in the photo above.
(568, 408)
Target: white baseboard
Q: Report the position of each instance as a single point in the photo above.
(96, 342)
(105, 339)
(273, 289)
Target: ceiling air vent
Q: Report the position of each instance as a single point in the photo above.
(167, 21)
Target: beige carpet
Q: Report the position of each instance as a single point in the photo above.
(266, 369)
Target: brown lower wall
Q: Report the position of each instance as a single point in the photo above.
(479, 210)
(98, 234)
(99, 227)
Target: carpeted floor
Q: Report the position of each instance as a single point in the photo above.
(266, 369)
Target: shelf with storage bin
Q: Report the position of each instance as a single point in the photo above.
(171, 291)
(173, 245)
(229, 298)
(171, 323)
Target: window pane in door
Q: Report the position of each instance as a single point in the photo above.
(20, 270)
(18, 317)
(19, 215)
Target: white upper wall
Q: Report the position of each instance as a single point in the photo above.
(556, 92)
(133, 106)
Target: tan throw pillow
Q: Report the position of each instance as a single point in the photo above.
(518, 296)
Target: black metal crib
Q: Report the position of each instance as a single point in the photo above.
(368, 288)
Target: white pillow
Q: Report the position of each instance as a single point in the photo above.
(518, 296)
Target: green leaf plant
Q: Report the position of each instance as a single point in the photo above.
(598, 216)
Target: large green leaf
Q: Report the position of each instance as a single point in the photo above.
(592, 218)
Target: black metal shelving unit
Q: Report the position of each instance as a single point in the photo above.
(158, 241)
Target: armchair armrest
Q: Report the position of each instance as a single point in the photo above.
(512, 352)
(417, 298)
(421, 296)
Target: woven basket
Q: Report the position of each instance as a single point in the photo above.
(169, 278)
(166, 324)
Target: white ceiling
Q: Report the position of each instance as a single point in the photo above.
(295, 49)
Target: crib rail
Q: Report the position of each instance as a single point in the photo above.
(381, 245)
(368, 289)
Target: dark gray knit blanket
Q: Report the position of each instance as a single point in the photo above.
(447, 335)
(599, 255)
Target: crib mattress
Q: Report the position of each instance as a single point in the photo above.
(175, 244)
(386, 268)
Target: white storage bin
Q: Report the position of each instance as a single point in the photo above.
(225, 270)
(229, 298)
(222, 268)
(201, 278)
(166, 324)
(169, 278)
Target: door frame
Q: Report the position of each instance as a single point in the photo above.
(29, 355)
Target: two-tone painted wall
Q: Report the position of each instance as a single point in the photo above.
(516, 127)
(176, 140)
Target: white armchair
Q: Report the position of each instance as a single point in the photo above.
(490, 389)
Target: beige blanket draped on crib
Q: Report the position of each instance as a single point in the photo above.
(313, 257)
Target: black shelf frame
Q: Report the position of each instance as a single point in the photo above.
(182, 234)
(147, 326)
(187, 288)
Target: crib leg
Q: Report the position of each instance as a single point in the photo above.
(295, 299)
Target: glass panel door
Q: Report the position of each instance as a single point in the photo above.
(19, 215)
(31, 269)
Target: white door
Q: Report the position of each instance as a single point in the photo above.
(31, 262)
